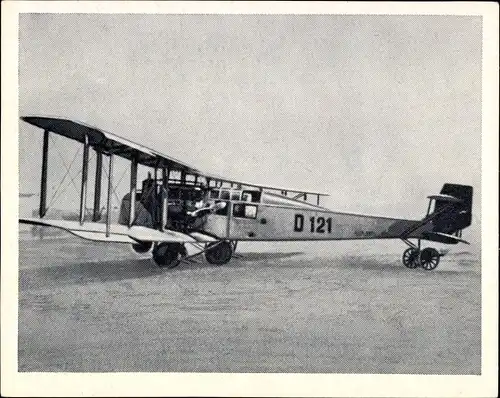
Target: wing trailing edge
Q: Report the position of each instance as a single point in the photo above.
(118, 233)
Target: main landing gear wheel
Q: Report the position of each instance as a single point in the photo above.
(168, 254)
(220, 253)
(142, 247)
(410, 258)
(429, 258)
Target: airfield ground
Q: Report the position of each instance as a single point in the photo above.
(337, 307)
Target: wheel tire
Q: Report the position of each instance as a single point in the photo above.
(167, 255)
(429, 258)
(220, 254)
(142, 247)
(410, 258)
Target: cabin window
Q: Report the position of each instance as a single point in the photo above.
(250, 211)
(224, 194)
(214, 194)
(235, 195)
(250, 196)
(239, 210)
(244, 211)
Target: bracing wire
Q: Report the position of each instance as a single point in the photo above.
(58, 192)
(117, 184)
(53, 198)
(67, 186)
(62, 159)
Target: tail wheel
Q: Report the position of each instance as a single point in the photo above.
(168, 254)
(220, 253)
(142, 247)
(429, 258)
(410, 258)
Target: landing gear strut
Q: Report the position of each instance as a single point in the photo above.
(168, 255)
(427, 258)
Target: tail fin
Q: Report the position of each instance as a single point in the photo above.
(452, 213)
(458, 212)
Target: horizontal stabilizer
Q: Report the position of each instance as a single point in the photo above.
(445, 198)
(443, 238)
(118, 233)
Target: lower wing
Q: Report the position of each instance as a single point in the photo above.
(117, 232)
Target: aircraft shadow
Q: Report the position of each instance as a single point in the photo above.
(256, 256)
(240, 260)
(384, 266)
(86, 273)
(83, 273)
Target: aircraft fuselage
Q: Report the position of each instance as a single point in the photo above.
(276, 217)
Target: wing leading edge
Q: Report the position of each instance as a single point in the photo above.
(112, 144)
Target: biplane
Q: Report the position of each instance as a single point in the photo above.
(179, 206)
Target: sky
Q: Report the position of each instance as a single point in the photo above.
(379, 111)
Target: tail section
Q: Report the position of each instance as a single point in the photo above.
(452, 213)
(456, 215)
(444, 224)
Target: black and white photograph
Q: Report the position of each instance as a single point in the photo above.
(251, 193)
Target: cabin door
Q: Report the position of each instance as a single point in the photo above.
(244, 223)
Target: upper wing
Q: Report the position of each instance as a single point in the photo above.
(112, 144)
(256, 185)
(109, 143)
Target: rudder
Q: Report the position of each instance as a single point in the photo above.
(459, 214)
